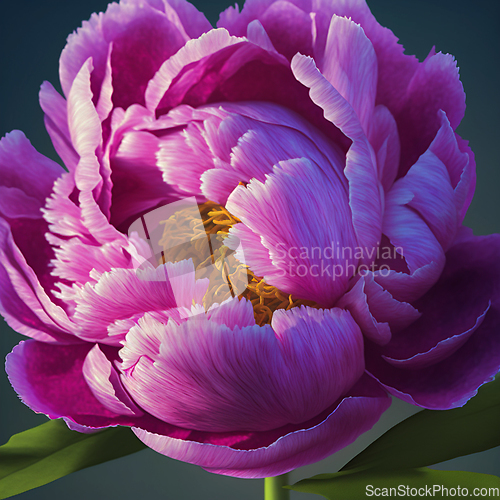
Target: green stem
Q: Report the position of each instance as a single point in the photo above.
(273, 488)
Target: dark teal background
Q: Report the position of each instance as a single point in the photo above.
(32, 35)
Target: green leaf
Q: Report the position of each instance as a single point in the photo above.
(351, 485)
(45, 453)
(433, 436)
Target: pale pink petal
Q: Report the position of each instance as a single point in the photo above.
(124, 293)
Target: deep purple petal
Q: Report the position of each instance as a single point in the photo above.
(413, 240)
(23, 302)
(453, 311)
(435, 86)
(427, 189)
(458, 158)
(384, 138)
(356, 302)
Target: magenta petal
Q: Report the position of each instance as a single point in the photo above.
(206, 376)
(454, 311)
(49, 379)
(194, 50)
(289, 28)
(56, 122)
(125, 293)
(105, 384)
(148, 33)
(182, 13)
(23, 301)
(340, 426)
(150, 38)
(219, 68)
(23, 168)
(394, 67)
(138, 185)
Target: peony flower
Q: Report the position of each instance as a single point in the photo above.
(258, 236)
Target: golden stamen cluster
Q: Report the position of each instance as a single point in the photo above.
(187, 236)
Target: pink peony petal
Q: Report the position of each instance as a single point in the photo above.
(125, 293)
(205, 376)
(286, 216)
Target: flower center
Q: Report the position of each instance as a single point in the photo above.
(186, 235)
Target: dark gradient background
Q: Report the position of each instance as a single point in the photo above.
(32, 35)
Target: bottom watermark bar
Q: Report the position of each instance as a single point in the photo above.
(435, 490)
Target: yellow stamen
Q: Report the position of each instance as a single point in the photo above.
(185, 236)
